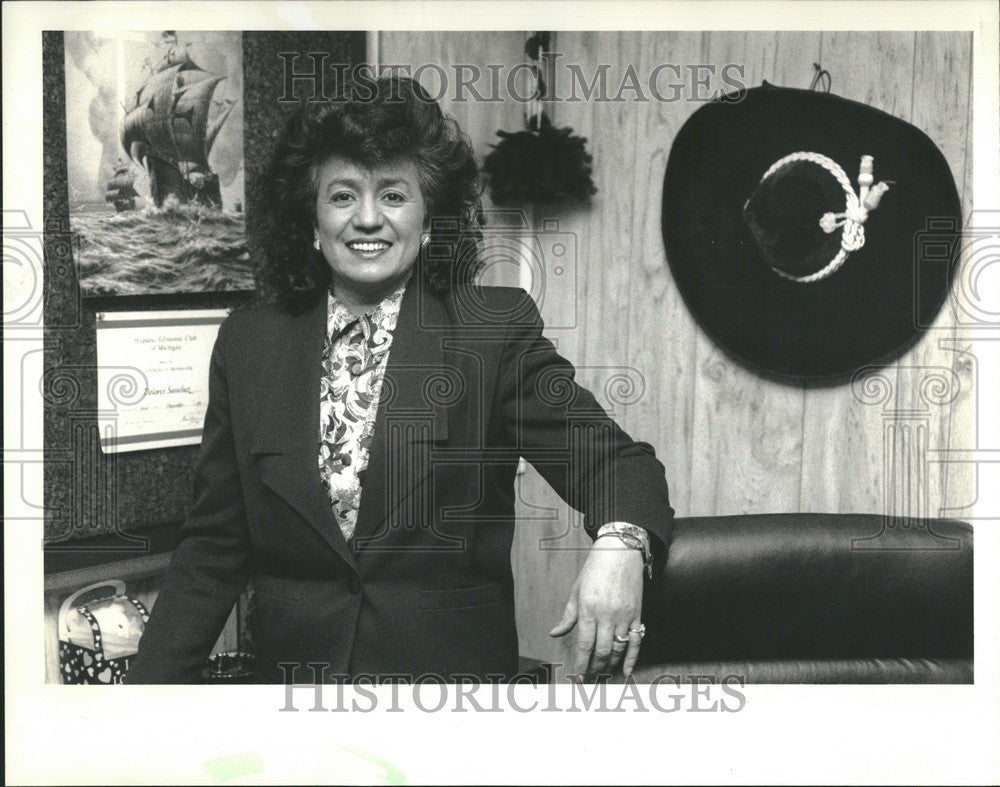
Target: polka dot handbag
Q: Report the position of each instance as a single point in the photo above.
(99, 637)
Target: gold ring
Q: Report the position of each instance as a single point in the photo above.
(620, 640)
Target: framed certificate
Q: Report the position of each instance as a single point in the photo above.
(152, 377)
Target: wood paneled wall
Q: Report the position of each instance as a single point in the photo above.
(732, 443)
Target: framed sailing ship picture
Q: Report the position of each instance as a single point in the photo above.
(154, 133)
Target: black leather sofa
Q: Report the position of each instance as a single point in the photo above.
(812, 598)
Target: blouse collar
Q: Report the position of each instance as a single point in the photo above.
(381, 318)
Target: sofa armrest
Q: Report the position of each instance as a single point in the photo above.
(811, 586)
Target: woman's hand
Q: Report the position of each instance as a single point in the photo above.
(606, 601)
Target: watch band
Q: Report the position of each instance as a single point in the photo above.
(633, 537)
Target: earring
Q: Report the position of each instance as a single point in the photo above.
(316, 244)
(425, 241)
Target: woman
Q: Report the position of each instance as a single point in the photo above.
(363, 434)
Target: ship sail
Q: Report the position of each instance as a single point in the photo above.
(216, 125)
(192, 99)
(166, 129)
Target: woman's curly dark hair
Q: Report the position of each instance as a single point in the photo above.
(372, 124)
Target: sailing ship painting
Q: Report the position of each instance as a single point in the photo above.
(154, 128)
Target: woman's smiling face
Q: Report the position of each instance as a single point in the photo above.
(369, 224)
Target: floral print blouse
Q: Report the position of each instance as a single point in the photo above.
(355, 354)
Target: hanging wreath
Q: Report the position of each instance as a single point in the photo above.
(544, 164)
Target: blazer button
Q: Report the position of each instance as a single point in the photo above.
(353, 585)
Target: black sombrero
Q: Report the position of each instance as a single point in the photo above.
(809, 235)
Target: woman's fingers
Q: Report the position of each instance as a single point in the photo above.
(603, 647)
(568, 619)
(586, 634)
(619, 645)
(606, 598)
(634, 643)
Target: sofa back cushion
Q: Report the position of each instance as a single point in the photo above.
(812, 586)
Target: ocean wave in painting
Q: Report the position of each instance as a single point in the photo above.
(180, 247)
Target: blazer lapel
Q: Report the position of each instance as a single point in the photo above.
(287, 436)
(412, 415)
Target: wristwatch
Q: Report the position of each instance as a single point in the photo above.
(633, 537)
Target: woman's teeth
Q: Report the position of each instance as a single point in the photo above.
(368, 246)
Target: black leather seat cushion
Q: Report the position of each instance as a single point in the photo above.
(894, 670)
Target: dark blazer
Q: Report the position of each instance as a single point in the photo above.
(426, 584)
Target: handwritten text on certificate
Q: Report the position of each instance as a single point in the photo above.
(152, 378)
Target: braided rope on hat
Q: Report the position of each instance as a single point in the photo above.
(852, 219)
